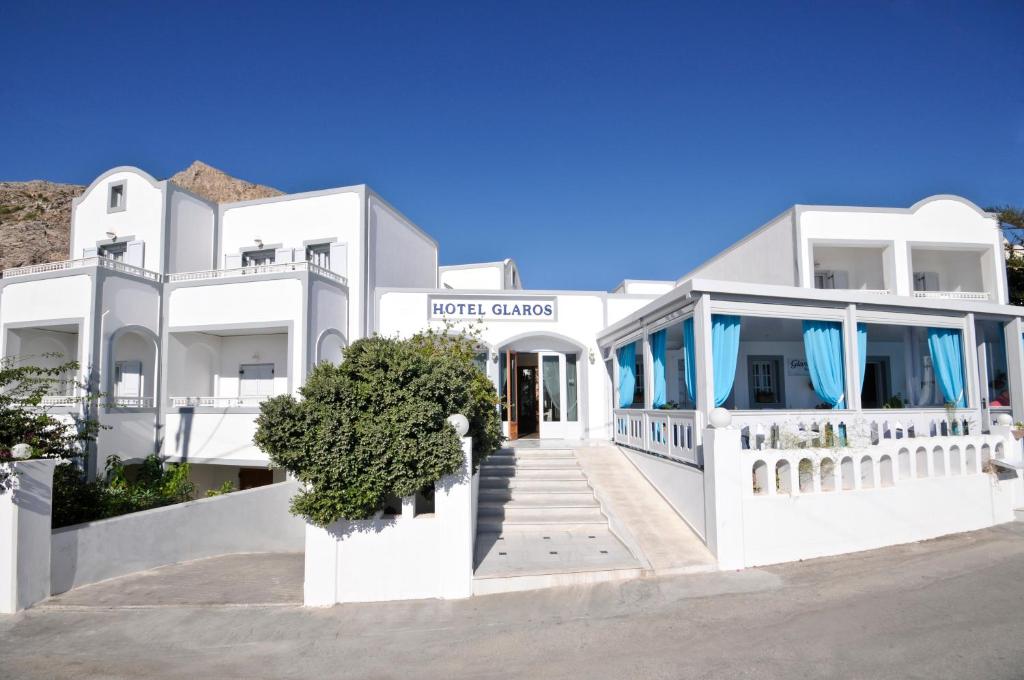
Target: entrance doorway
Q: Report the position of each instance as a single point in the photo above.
(540, 394)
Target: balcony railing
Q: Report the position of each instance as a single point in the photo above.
(104, 262)
(256, 270)
(132, 402)
(218, 402)
(951, 295)
(59, 400)
(670, 434)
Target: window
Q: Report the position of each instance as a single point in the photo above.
(114, 251)
(638, 392)
(116, 197)
(256, 258)
(571, 390)
(926, 281)
(552, 407)
(764, 376)
(480, 361)
(319, 254)
(829, 280)
(256, 380)
(128, 379)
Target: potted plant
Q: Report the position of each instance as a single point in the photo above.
(1018, 430)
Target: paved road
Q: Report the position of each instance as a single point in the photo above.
(950, 608)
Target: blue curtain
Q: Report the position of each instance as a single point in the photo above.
(627, 374)
(947, 360)
(690, 360)
(725, 348)
(823, 347)
(862, 350)
(658, 345)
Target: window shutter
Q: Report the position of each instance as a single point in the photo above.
(232, 261)
(284, 255)
(841, 280)
(135, 254)
(88, 252)
(339, 258)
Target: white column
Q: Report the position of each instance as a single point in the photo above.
(1013, 332)
(726, 479)
(973, 385)
(702, 354)
(645, 347)
(25, 536)
(851, 358)
(904, 283)
(455, 504)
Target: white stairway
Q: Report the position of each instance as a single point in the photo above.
(539, 524)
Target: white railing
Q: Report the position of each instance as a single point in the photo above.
(950, 295)
(132, 402)
(823, 470)
(218, 402)
(104, 262)
(257, 270)
(825, 427)
(60, 400)
(668, 433)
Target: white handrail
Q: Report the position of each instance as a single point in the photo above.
(950, 295)
(96, 261)
(218, 402)
(256, 270)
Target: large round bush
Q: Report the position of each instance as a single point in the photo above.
(374, 427)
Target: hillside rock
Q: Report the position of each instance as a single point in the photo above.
(218, 186)
(35, 217)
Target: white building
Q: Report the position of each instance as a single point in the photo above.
(186, 314)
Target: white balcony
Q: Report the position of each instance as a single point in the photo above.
(217, 402)
(862, 268)
(257, 270)
(952, 295)
(66, 265)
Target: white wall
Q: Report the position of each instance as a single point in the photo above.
(864, 266)
(872, 503)
(635, 287)
(766, 256)
(958, 271)
(579, 318)
(404, 558)
(193, 223)
(251, 301)
(256, 520)
(142, 218)
(938, 220)
(401, 255)
(488, 276)
(329, 310)
(66, 297)
(221, 436)
(236, 350)
(292, 219)
(131, 435)
(25, 516)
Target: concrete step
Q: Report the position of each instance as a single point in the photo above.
(1019, 514)
(487, 524)
(529, 485)
(529, 463)
(532, 496)
(533, 453)
(505, 472)
(520, 514)
(542, 501)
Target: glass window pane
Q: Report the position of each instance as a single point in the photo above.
(571, 398)
(552, 389)
(991, 333)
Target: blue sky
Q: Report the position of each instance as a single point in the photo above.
(592, 142)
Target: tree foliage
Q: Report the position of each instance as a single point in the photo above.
(1011, 221)
(24, 419)
(375, 427)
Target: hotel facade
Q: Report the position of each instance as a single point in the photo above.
(185, 315)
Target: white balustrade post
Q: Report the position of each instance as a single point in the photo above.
(702, 355)
(726, 477)
(25, 530)
(455, 504)
(1013, 333)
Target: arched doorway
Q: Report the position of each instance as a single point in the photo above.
(541, 382)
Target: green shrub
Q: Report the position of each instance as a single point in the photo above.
(227, 487)
(375, 427)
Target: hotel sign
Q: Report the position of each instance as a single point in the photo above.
(493, 308)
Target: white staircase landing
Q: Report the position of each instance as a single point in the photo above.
(540, 525)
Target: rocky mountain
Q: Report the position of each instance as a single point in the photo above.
(35, 217)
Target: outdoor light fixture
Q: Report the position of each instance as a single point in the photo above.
(590, 355)
(259, 243)
(494, 357)
(111, 235)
